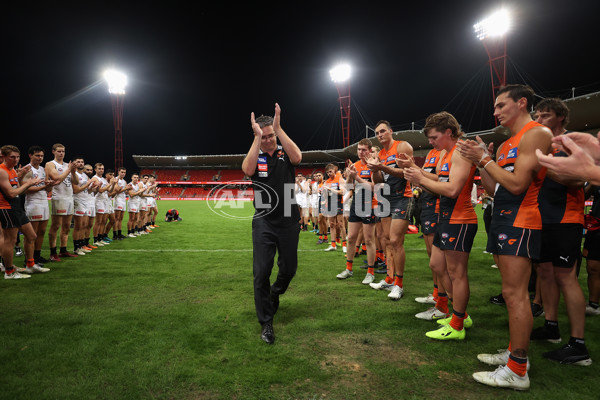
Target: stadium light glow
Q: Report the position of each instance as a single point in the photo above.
(340, 73)
(496, 24)
(116, 81)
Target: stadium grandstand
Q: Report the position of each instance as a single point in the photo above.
(195, 177)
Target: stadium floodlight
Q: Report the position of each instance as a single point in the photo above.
(116, 87)
(340, 73)
(496, 24)
(116, 81)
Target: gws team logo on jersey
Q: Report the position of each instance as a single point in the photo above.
(512, 153)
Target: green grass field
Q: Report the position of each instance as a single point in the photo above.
(170, 315)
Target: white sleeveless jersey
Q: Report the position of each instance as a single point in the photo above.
(135, 188)
(39, 172)
(121, 183)
(63, 190)
(83, 178)
(104, 183)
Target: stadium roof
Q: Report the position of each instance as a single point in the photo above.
(583, 115)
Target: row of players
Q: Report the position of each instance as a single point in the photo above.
(92, 199)
(538, 218)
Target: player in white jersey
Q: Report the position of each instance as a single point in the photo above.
(143, 217)
(119, 203)
(301, 190)
(152, 207)
(110, 213)
(102, 201)
(135, 189)
(36, 201)
(313, 202)
(91, 205)
(81, 205)
(62, 200)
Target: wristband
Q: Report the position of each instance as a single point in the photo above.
(483, 156)
(486, 164)
(482, 162)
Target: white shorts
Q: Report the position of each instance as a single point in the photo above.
(111, 209)
(62, 206)
(37, 210)
(133, 206)
(314, 202)
(151, 203)
(119, 204)
(91, 204)
(101, 206)
(82, 208)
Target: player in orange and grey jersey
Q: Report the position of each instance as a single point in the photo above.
(398, 197)
(561, 205)
(457, 224)
(362, 212)
(515, 232)
(12, 214)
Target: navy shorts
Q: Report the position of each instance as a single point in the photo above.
(561, 244)
(366, 216)
(396, 207)
(512, 241)
(13, 218)
(592, 245)
(456, 237)
(429, 224)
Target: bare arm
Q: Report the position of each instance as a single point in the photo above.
(290, 148)
(11, 192)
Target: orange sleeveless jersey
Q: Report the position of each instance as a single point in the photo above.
(430, 202)
(398, 186)
(5, 202)
(334, 184)
(365, 173)
(521, 211)
(459, 210)
(561, 204)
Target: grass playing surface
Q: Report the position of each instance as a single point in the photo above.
(170, 315)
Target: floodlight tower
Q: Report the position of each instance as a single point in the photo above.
(340, 75)
(116, 87)
(492, 33)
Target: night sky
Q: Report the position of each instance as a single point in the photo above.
(195, 75)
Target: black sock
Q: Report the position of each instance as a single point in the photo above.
(52, 250)
(63, 249)
(37, 254)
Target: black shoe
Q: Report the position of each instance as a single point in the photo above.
(41, 260)
(267, 334)
(537, 310)
(381, 271)
(497, 299)
(545, 333)
(570, 354)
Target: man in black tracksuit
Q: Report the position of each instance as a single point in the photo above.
(275, 224)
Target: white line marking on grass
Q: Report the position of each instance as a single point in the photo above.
(223, 250)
